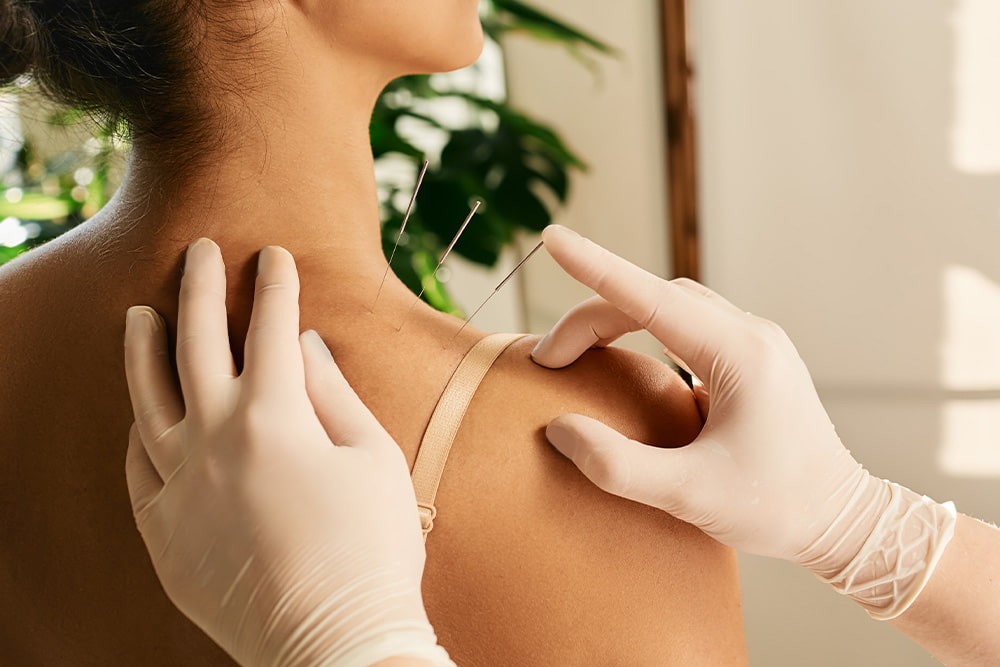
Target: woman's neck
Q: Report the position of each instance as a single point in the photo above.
(302, 179)
(294, 168)
(312, 200)
(298, 173)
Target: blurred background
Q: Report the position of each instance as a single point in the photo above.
(847, 161)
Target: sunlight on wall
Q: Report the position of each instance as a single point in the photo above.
(971, 353)
(975, 140)
(971, 433)
(971, 363)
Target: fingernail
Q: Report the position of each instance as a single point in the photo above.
(264, 259)
(141, 319)
(540, 347)
(553, 232)
(561, 438)
(196, 248)
(313, 339)
(546, 354)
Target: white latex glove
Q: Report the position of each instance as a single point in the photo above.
(768, 474)
(285, 528)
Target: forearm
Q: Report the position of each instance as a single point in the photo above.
(405, 662)
(957, 615)
(930, 572)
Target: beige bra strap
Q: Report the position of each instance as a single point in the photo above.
(447, 418)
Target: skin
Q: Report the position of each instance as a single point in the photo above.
(528, 562)
(957, 614)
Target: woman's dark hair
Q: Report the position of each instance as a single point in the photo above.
(128, 61)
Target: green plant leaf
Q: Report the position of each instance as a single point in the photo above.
(34, 206)
(468, 151)
(385, 139)
(433, 290)
(442, 206)
(550, 171)
(7, 254)
(484, 244)
(525, 126)
(516, 202)
(545, 26)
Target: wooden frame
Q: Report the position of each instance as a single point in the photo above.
(681, 155)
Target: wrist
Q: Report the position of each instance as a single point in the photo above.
(339, 608)
(359, 623)
(899, 553)
(409, 647)
(863, 499)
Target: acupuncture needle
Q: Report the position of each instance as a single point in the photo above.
(498, 288)
(447, 252)
(406, 218)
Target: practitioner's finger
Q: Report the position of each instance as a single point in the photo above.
(623, 467)
(695, 287)
(203, 354)
(707, 292)
(144, 482)
(592, 323)
(697, 330)
(702, 398)
(273, 359)
(156, 398)
(344, 416)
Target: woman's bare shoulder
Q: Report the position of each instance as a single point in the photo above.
(583, 577)
(636, 394)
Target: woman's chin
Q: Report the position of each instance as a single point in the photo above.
(459, 56)
(467, 62)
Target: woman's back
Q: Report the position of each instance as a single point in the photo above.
(528, 563)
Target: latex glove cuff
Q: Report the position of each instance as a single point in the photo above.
(342, 610)
(899, 556)
(410, 643)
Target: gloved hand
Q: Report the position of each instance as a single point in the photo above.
(279, 515)
(767, 474)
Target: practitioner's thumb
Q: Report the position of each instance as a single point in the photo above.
(617, 464)
(144, 482)
(346, 419)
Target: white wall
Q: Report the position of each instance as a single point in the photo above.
(850, 191)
